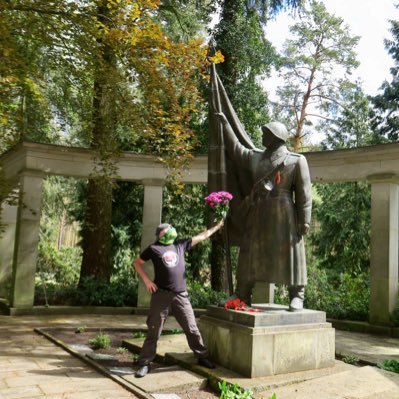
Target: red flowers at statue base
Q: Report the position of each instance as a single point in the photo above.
(235, 304)
(238, 304)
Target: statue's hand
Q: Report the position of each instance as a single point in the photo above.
(303, 229)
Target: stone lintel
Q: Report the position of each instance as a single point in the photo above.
(383, 178)
(153, 182)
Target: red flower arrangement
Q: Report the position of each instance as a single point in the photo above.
(238, 304)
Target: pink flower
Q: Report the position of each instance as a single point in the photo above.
(219, 202)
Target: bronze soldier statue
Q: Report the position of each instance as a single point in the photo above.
(275, 214)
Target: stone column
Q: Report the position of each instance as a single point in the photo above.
(152, 214)
(26, 239)
(384, 248)
(7, 240)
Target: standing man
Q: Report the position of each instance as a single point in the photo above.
(168, 292)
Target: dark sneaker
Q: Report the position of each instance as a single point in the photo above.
(205, 362)
(142, 371)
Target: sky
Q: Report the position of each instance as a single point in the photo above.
(368, 19)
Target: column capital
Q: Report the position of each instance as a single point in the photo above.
(153, 182)
(383, 178)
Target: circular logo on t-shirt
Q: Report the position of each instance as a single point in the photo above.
(170, 259)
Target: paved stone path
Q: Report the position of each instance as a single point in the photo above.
(32, 367)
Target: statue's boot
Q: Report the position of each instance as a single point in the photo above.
(297, 295)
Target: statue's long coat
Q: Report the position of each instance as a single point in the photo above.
(271, 248)
(264, 228)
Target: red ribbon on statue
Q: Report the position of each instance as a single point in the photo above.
(278, 177)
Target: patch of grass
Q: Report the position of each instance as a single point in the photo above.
(80, 329)
(350, 359)
(135, 357)
(172, 332)
(121, 350)
(230, 391)
(101, 341)
(138, 334)
(389, 365)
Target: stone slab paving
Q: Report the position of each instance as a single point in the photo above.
(360, 383)
(32, 367)
(367, 347)
(168, 379)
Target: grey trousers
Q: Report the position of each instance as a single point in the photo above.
(161, 303)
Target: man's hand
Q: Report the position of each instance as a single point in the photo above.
(150, 286)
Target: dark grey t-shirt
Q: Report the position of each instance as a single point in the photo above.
(169, 265)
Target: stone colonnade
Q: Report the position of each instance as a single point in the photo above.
(26, 166)
(28, 163)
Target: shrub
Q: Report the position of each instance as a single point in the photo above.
(91, 293)
(138, 334)
(230, 391)
(101, 341)
(202, 296)
(101, 293)
(344, 296)
(389, 365)
(350, 359)
(59, 265)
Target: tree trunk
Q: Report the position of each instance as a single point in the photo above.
(96, 232)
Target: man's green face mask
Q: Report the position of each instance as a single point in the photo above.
(169, 237)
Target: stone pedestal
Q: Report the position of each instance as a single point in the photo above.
(270, 342)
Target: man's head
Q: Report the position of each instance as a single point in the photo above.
(166, 233)
(274, 132)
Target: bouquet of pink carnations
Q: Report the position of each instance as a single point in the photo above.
(219, 202)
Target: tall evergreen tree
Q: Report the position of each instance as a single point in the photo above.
(341, 238)
(386, 104)
(317, 63)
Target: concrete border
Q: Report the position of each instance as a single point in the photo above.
(364, 327)
(129, 387)
(81, 310)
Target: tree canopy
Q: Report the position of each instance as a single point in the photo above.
(316, 64)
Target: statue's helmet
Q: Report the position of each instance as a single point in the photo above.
(277, 129)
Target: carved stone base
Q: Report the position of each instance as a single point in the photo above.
(270, 342)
